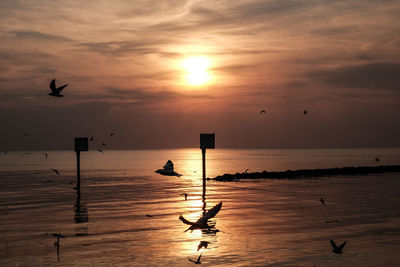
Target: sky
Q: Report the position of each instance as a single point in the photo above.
(159, 73)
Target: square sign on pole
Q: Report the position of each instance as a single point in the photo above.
(81, 144)
(207, 141)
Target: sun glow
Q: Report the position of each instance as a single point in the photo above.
(196, 70)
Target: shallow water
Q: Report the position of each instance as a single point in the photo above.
(261, 223)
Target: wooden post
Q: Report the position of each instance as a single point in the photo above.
(78, 170)
(203, 151)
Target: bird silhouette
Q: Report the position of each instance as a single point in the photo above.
(54, 90)
(377, 159)
(103, 144)
(337, 249)
(27, 134)
(198, 260)
(100, 150)
(203, 244)
(168, 170)
(263, 111)
(91, 138)
(184, 194)
(246, 170)
(45, 154)
(305, 112)
(322, 201)
(148, 215)
(111, 134)
(56, 171)
(202, 223)
(57, 243)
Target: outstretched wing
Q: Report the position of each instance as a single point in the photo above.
(59, 89)
(342, 245)
(185, 221)
(53, 85)
(169, 166)
(198, 260)
(191, 260)
(210, 214)
(333, 244)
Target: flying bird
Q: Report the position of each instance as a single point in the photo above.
(184, 194)
(203, 244)
(377, 159)
(305, 112)
(337, 249)
(54, 90)
(56, 171)
(198, 260)
(322, 201)
(263, 111)
(111, 134)
(168, 170)
(100, 150)
(201, 223)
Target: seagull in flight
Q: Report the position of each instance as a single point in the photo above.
(168, 170)
(198, 260)
(203, 244)
(54, 90)
(201, 223)
(56, 171)
(337, 249)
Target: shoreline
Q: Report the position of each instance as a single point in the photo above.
(307, 173)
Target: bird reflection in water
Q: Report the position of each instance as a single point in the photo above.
(81, 214)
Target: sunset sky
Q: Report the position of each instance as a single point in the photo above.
(159, 73)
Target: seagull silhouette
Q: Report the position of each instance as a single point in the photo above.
(56, 171)
(305, 112)
(322, 201)
(45, 154)
(27, 134)
(168, 170)
(111, 134)
(91, 138)
(184, 194)
(198, 260)
(57, 243)
(100, 150)
(337, 249)
(201, 223)
(103, 144)
(377, 159)
(203, 244)
(54, 90)
(263, 111)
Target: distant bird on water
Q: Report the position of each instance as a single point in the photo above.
(103, 144)
(246, 170)
(111, 134)
(100, 150)
(56, 171)
(202, 223)
(27, 134)
(91, 138)
(203, 244)
(377, 159)
(263, 111)
(305, 112)
(198, 260)
(168, 170)
(322, 201)
(184, 194)
(54, 90)
(45, 154)
(337, 249)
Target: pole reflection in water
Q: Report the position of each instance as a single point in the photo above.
(81, 215)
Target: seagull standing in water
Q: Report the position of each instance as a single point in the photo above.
(168, 170)
(202, 222)
(337, 249)
(198, 260)
(54, 90)
(322, 201)
(184, 194)
(263, 111)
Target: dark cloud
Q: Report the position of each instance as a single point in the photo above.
(39, 36)
(377, 76)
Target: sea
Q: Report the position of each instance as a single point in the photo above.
(125, 214)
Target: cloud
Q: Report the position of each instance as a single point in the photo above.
(39, 36)
(377, 76)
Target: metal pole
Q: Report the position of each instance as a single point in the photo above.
(78, 170)
(203, 151)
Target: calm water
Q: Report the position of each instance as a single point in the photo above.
(261, 223)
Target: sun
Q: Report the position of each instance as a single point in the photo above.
(196, 70)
